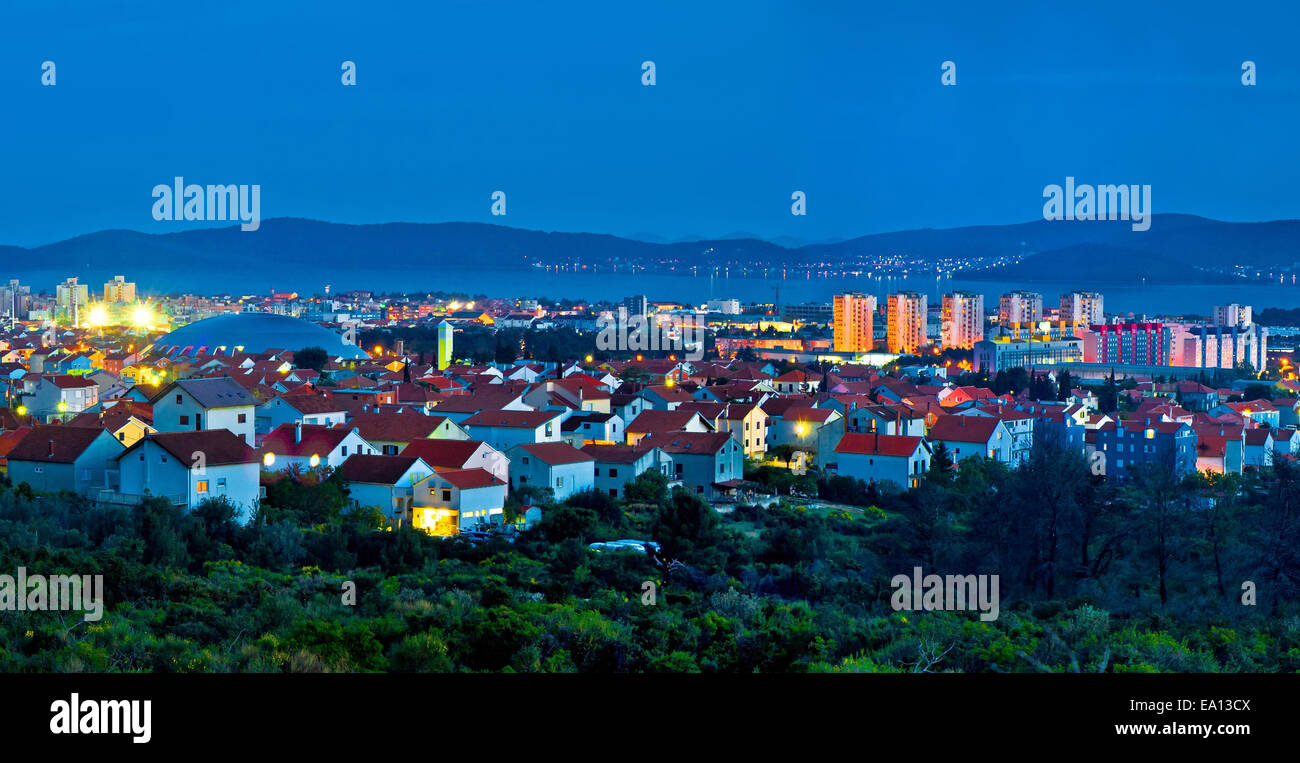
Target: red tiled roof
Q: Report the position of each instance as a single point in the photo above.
(878, 444)
(218, 446)
(54, 443)
(510, 419)
(317, 439)
(556, 453)
(468, 479)
(443, 453)
(376, 469)
(964, 428)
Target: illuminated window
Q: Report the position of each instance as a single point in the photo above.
(201, 486)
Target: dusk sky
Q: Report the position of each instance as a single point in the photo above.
(754, 100)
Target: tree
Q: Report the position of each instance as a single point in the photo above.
(312, 357)
(1063, 385)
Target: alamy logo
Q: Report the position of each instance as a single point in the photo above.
(60, 593)
(950, 592)
(1104, 202)
(102, 716)
(681, 333)
(214, 202)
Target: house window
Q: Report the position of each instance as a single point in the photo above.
(178, 400)
(40, 470)
(613, 492)
(243, 418)
(345, 451)
(162, 459)
(201, 486)
(613, 472)
(446, 495)
(559, 482)
(185, 420)
(221, 483)
(390, 450)
(525, 459)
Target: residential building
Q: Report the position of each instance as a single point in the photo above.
(853, 316)
(883, 459)
(206, 404)
(51, 458)
(309, 446)
(905, 321)
(617, 465)
(963, 319)
(188, 468)
(452, 500)
(1080, 309)
(710, 464)
(562, 468)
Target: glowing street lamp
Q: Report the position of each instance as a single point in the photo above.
(268, 460)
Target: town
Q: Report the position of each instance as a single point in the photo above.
(470, 414)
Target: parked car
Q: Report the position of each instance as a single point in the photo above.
(639, 546)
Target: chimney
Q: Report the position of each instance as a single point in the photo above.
(962, 419)
(297, 432)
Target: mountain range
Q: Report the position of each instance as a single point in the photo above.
(1177, 249)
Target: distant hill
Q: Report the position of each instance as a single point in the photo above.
(1173, 250)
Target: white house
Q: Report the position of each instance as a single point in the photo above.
(188, 468)
(504, 429)
(299, 409)
(452, 500)
(555, 465)
(707, 463)
(54, 457)
(384, 482)
(966, 436)
(191, 405)
(312, 445)
(461, 454)
(883, 458)
(60, 396)
(617, 465)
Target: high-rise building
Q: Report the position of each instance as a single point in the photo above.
(1138, 344)
(1017, 308)
(637, 305)
(1232, 315)
(905, 322)
(71, 298)
(15, 300)
(1081, 309)
(119, 290)
(445, 334)
(853, 316)
(963, 319)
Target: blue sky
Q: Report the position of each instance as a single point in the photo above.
(544, 101)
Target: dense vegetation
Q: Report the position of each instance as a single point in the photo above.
(1142, 577)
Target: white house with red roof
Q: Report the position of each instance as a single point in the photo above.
(555, 465)
(504, 429)
(190, 467)
(966, 436)
(385, 482)
(312, 445)
(299, 409)
(60, 396)
(461, 454)
(882, 458)
(452, 500)
(708, 463)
